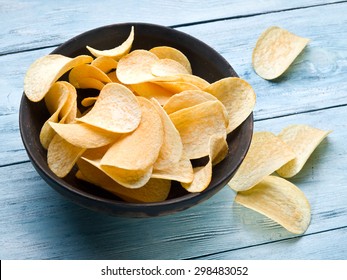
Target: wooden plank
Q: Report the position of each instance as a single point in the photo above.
(34, 24)
(310, 247)
(41, 224)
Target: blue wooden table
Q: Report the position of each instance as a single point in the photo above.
(38, 223)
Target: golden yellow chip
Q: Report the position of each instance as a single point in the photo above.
(140, 149)
(181, 171)
(266, 154)
(168, 52)
(275, 51)
(62, 156)
(88, 101)
(136, 67)
(218, 149)
(84, 135)
(303, 140)
(176, 87)
(167, 67)
(113, 76)
(196, 81)
(186, 99)
(45, 71)
(155, 190)
(117, 52)
(197, 124)
(238, 98)
(151, 90)
(280, 201)
(88, 76)
(116, 110)
(105, 63)
(172, 147)
(61, 104)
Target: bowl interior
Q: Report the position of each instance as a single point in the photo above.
(205, 62)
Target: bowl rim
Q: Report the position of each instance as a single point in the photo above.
(70, 189)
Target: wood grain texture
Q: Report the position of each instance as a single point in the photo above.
(67, 231)
(35, 24)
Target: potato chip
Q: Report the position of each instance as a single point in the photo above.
(172, 147)
(303, 140)
(136, 67)
(218, 149)
(197, 124)
(105, 63)
(238, 98)
(151, 90)
(196, 81)
(176, 87)
(62, 156)
(167, 67)
(155, 190)
(140, 149)
(45, 71)
(181, 171)
(113, 76)
(279, 200)
(88, 76)
(168, 52)
(275, 51)
(186, 99)
(88, 101)
(61, 104)
(84, 135)
(117, 52)
(116, 110)
(132, 179)
(266, 154)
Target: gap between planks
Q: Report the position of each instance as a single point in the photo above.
(200, 22)
(270, 242)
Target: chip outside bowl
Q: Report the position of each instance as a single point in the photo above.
(206, 63)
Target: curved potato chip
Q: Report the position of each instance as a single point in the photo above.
(279, 200)
(140, 149)
(155, 190)
(218, 149)
(186, 99)
(117, 52)
(197, 124)
(238, 98)
(168, 52)
(136, 67)
(116, 110)
(150, 90)
(181, 171)
(113, 76)
(88, 101)
(275, 51)
(172, 147)
(132, 179)
(196, 81)
(303, 140)
(84, 135)
(105, 63)
(167, 67)
(88, 76)
(266, 154)
(45, 71)
(61, 103)
(62, 156)
(176, 87)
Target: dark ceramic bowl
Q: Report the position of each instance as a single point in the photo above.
(206, 63)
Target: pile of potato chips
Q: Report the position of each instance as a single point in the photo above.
(151, 118)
